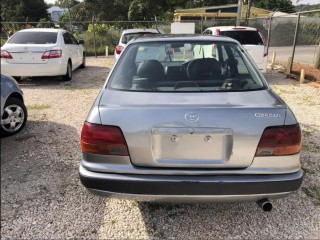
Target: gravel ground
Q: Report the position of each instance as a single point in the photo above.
(42, 198)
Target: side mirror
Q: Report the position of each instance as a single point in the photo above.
(81, 42)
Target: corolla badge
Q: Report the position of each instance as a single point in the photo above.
(262, 115)
(192, 117)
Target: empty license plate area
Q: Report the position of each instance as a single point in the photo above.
(193, 147)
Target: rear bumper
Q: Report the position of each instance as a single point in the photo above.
(54, 67)
(194, 188)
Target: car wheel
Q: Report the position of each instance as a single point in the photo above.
(83, 65)
(18, 79)
(68, 75)
(14, 117)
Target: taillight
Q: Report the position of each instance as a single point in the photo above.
(104, 140)
(119, 49)
(5, 54)
(279, 141)
(52, 54)
(217, 31)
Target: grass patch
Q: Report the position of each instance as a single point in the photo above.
(313, 192)
(110, 63)
(38, 107)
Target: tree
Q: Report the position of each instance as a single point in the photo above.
(273, 5)
(140, 10)
(67, 3)
(21, 10)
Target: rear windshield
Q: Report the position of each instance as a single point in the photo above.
(127, 37)
(34, 38)
(185, 67)
(244, 37)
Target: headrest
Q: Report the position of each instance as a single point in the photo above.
(203, 69)
(151, 69)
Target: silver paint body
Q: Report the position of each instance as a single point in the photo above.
(159, 139)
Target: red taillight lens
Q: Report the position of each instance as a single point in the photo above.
(279, 141)
(52, 54)
(119, 49)
(5, 54)
(101, 139)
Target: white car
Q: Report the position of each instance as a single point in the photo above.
(42, 52)
(250, 38)
(129, 34)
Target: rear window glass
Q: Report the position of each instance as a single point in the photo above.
(127, 37)
(185, 67)
(34, 38)
(244, 37)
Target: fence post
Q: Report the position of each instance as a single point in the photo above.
(27, 22)
(317, 60)
(302, 74)
(273, 60)
(294, 41)
(269, 34)
(94, 37)
(288, 65)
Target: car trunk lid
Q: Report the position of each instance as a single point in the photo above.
(192, 130)
(28, 54)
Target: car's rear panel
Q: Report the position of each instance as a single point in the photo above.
(28, 54)
(224, 136)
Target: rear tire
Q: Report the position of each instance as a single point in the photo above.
(83, 65)
(68, 75)
(14, 117)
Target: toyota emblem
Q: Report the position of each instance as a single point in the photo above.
(192, 117)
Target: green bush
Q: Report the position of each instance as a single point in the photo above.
(101, 41)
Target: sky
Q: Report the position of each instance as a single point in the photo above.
(293, 1)
(311, 2)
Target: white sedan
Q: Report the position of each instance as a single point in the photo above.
(42, 52)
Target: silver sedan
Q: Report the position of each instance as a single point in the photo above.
(190, 118)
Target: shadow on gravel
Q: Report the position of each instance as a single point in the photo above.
(41, 195)
(90, 77)
(228, 220)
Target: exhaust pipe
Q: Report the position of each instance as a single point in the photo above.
(265, 205)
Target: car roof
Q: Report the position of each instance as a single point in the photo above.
(181, 37)
(41, 30)
(232, 28)
(136, 30)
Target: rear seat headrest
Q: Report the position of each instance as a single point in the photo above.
(151, 69)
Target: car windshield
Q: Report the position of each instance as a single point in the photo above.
(244, 37)
(34, 38)
(127, 37)
(185, 67)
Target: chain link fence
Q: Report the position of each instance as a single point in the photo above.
(282, 32)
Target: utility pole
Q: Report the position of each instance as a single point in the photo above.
(248, 12)
(239, 12)
(69, 14)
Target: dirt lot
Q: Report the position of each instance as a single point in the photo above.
(42, 198)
